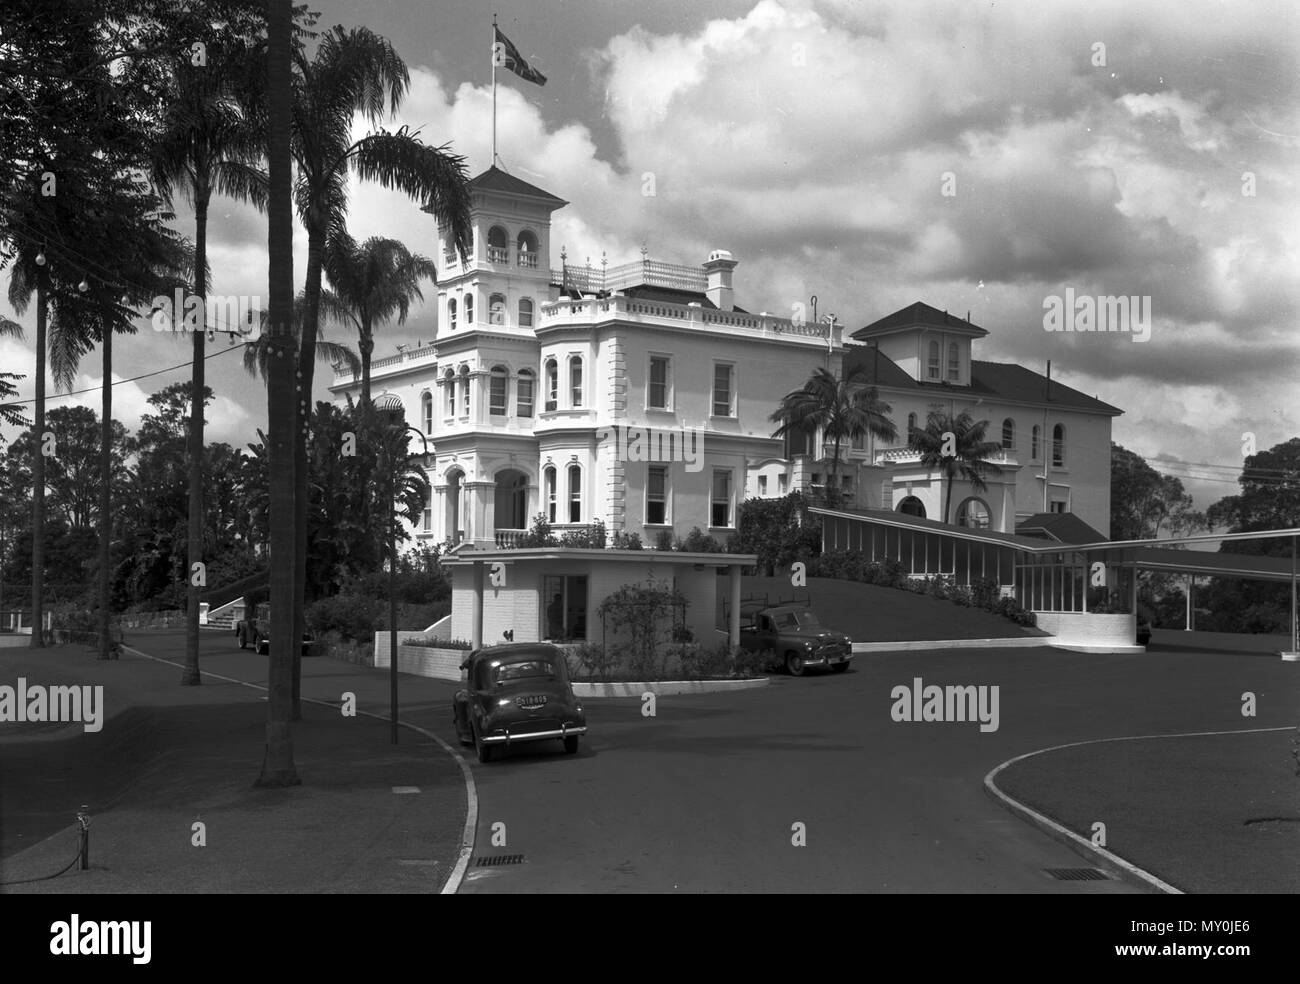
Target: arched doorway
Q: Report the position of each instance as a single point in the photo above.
(454, 515)
(912, 506)
(511, 500)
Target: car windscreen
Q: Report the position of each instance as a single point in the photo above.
(784, 620)
(534, 668)
(807, 619)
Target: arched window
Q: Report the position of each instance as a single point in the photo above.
(498, 250)
(464, 391)
(575, 494)
(497, 391)
(912, 506)
(451, 313)
(526, 248)
(552, 385)
(934, 360)
(1034, 437)
(973, 513)
(524, 396)
(575, 381)
(525, 312)
(548, 486)
(1058, 446)
(497, 310)
(449, 383)
(953, 363)
(426, 411)
(1008, 435)
(469, 309)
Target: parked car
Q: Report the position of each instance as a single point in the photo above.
(1144, 619)
(797, 639)
(517, 692)
(256, 631)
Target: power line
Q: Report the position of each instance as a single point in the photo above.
(146, 375)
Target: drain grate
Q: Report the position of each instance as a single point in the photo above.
(1078, 874)
(500, 859)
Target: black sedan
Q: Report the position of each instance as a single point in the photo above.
(517, 693)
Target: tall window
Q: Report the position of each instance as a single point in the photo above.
(934, 360)
(497, 309)
(720, 515)
(1033, 443)
(1008, 435)
(428, 508)
(656, 495)
(464, 391)
(575, 494)
(1058, 446)
(449, 384)
(497, 250)
(575, 381)
(548, 485)
(657, 396)
(451, 313)
(722, 373)
(911, 426)
(469, 309)
(524, 395)
(525, 312)
(526, 247)
(953, 363)
(497, 392)
(426, 411)
(552, 385)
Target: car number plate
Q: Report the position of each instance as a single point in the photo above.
(538, 700)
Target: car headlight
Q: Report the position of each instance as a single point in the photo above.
(807, 644)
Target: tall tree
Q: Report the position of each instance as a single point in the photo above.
(209, 142)
(278, 767)
(843, 409)
(957, 448)
(373, 282)
(352, 72)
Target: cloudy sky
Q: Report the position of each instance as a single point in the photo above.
(977, 156)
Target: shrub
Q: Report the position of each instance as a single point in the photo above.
(985, 592)
(431, 642)
(332, 645)
(354, 617)
(625, 541)
(664, 540)
(591, 537)
(539, 535)
(697, 541)
(594, 661)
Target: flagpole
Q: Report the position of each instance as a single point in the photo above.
(494, 90)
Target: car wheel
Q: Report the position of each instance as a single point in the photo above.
(484, 750)
(840, 667)
(794, 664)
(571, 744)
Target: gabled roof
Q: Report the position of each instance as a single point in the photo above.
(1061, 527)
(919, 315)
(495, 179)
(990, 380)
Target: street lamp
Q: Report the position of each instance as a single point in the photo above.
(393, 413)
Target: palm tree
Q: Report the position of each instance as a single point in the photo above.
(956, 446)
(257, 353)
(373, 281)
(208, 144)
(278, 767)
(843, 409)
(354, 71)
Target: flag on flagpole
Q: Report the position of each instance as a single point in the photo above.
(505, 54)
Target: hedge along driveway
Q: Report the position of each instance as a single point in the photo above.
(870, 613)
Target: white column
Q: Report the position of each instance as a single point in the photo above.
(733, 627)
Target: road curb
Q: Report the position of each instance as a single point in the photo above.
(1113, 863)
(1025, 642)
(457, 876)
(666, 688)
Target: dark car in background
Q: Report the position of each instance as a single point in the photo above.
(517, 693)
(796, 639)
(256, 631)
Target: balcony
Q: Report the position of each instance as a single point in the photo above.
(528, 260)
(509, 539)
(498, 254)
(910, 456)
(651, 273)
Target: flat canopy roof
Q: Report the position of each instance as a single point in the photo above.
(596, 553)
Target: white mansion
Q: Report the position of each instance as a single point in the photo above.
(540, 378)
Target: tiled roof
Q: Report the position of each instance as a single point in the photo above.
(1061, 527)
(919, 314)
(495, 179)
(992, 380)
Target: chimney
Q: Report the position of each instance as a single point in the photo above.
(719, 267)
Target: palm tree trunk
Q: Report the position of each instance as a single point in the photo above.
(106, 495)
(302, 503)
(366, 343)
(947, 497)
(190, 676)
(278, 767)
(38, 471)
